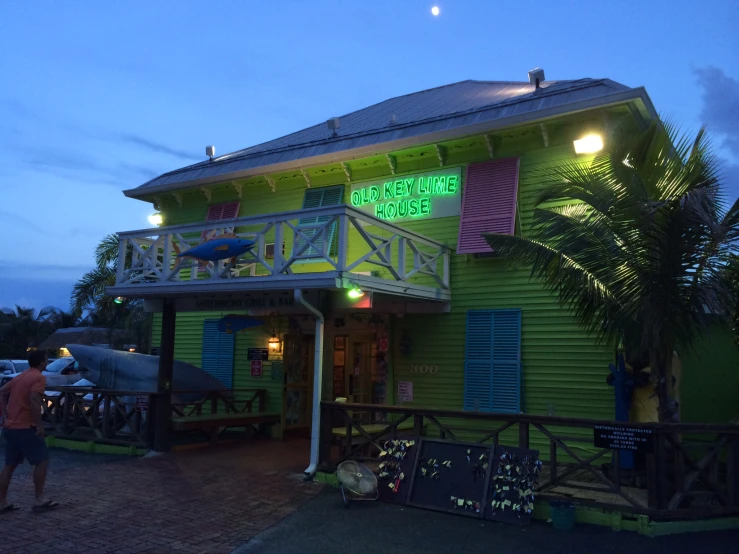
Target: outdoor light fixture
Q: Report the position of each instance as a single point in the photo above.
(274, 343)
(118, 300)
(156, 219)
(588, 144)
(355, 293)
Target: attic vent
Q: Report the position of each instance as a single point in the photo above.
(333, 125)
(210, 151)
(536, 76)
(393, 120)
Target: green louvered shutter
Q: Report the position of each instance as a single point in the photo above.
(318, 198)
(218, 353)
(492, 372)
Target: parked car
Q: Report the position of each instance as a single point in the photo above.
(11, 368)
(62, 372)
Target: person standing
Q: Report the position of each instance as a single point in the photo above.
(23, 430)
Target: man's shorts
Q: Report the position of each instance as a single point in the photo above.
(24, 443)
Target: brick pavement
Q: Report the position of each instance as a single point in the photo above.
(208, 500)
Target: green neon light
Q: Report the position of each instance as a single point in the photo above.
(400, 198)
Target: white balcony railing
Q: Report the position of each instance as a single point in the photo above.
(337, 241)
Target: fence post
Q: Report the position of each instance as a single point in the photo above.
(732, 470)
(417, 426)
(523, 435)
(324, 446)
(552, 461)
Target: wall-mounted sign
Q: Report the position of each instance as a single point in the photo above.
(405, 391)
(142, 402)
(623, 437)
(257, 354)
(256, 368)
(421, 195)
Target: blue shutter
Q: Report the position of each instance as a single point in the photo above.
(478, 361)
(318, 198)
(218, 353)
(492, 373)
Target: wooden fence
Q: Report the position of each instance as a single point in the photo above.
(689, 470)
(121, 417)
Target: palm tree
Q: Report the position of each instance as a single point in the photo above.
(22, 328)
(88, 295)
(635, 242)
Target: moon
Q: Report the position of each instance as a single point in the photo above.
(435, 10)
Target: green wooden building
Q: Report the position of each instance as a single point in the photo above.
(368, 268)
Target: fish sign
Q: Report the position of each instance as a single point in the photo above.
(233, 323)
(218, 248)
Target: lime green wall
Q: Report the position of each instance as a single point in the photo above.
(710, 385)
(564, 370)
(188, 348)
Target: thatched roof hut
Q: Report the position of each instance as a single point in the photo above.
(91, 336)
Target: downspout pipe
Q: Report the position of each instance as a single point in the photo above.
(315, 435)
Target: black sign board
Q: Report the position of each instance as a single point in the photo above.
(398, 462)
(257, 354)
(451, 477)
(623, 437)
(513, 480)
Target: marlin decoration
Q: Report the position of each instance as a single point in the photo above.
(216, 248)
(233, 323)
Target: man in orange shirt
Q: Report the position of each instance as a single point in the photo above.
(23, 430)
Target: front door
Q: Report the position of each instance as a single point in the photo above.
(297, 393)
(366, 373)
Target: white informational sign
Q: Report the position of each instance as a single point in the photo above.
(411, 197)
(405, 391)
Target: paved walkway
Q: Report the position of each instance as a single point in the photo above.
(325, 526)
(210, 500)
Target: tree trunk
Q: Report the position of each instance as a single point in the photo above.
(661, 364)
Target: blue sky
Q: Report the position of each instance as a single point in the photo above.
(97, 97)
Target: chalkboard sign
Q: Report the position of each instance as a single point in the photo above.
(450, 477)
(623, 437)
(396, 469)
(514, 473)
(257, 354)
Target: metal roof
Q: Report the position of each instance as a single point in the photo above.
(440, 109)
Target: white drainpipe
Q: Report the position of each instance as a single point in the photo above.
(315, 435)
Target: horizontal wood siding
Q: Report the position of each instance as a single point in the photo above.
(188, 348)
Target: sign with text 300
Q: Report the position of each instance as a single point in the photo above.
(423, 368)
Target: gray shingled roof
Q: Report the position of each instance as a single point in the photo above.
(439, 109)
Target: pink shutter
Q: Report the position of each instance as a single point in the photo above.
(488, 204)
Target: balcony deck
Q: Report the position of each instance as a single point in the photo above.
(323, 248)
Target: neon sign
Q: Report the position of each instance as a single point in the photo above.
(423, 195)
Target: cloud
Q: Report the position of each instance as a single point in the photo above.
(155, 146)
(720, 112)
(37, 294)
(22, 221)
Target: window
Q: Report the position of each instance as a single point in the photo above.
(322, 197)
(218, 353)
(269, 250)
(488, 203)
(492, 367)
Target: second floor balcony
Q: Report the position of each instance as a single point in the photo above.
(322, 248)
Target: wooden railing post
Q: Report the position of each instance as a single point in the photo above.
(523, 435)
(122, 247)
(324, 445)
(732, 471)
(262, 401)
(343, 246)
(278, 261)
(417, 426)
(552, 461)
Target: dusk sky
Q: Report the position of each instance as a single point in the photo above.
(98, 97)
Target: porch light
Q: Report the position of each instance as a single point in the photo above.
(118, 300)
(355, 293)
(274, 343)
(156, 219)
(588, 144)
